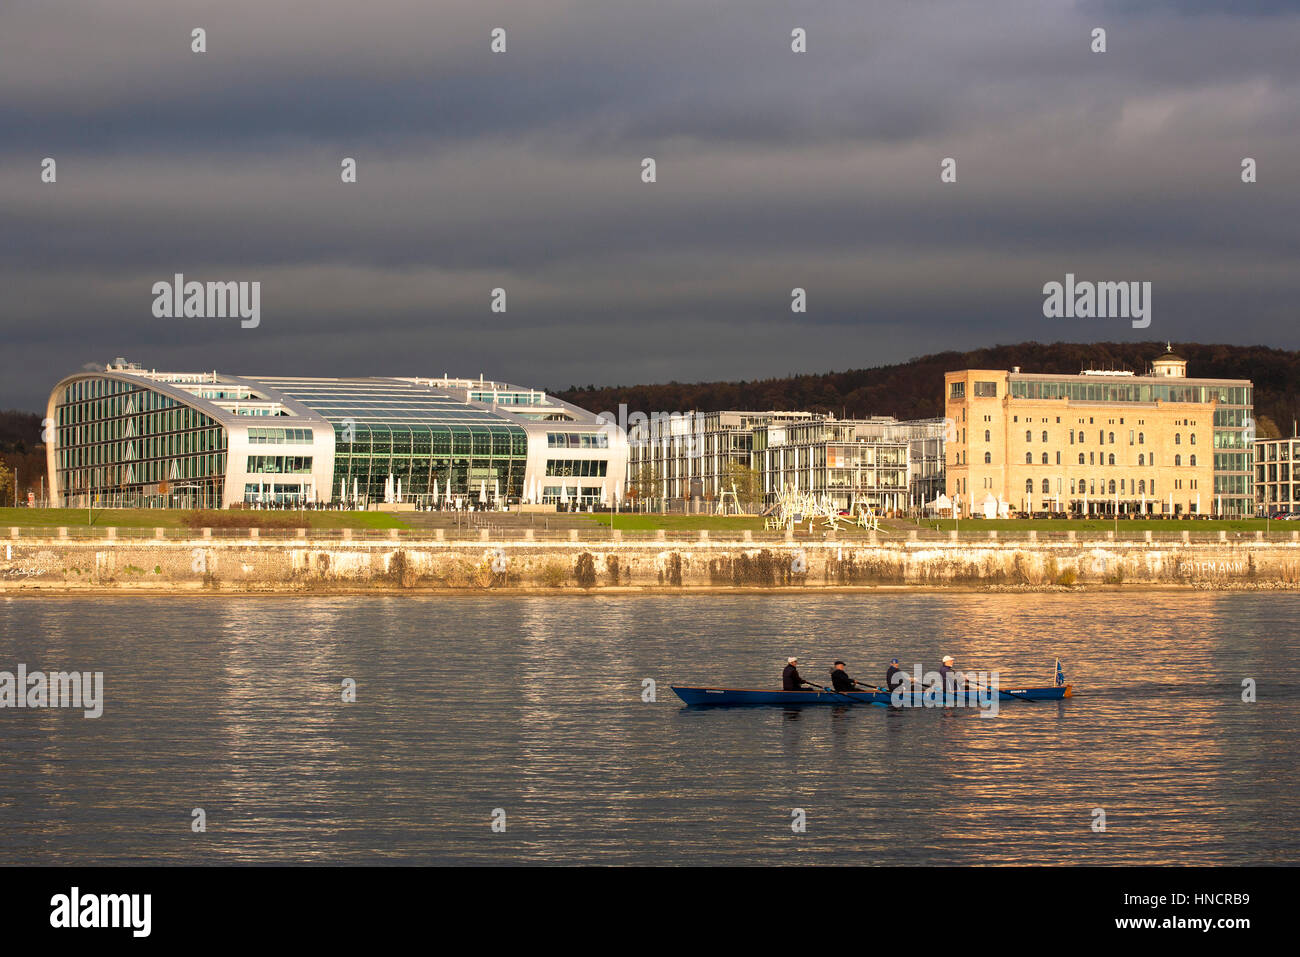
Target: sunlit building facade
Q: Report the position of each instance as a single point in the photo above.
(132, 437)
(1100, 443)
(880, 462)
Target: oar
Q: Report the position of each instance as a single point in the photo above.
(1001, 692)
(842, 694)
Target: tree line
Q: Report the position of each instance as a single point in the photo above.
(914, 389)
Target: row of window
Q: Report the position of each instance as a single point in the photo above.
(553, 494)
(71, 455)
(382, 440)
(142, 473)
(1106, 459)
(279, 464)
(1276, 451)
(280, 437)
(1131, 392)
(111, 417)
(1089, 487)
(577, 440)
(508, 398)
(583, 467)
(1103, 438)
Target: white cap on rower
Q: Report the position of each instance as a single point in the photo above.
(947, 659)
(790, 661)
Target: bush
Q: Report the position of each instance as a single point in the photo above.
(234, 519)
(553, 575)
(1067, 578)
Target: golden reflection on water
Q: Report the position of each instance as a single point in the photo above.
(534, 705)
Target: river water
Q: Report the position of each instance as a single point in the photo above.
(529, 710)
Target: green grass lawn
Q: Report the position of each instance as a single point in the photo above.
(1207, 526)
(175, 518)
(682, 523)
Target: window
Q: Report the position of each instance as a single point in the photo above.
(1192, 438)
(958, 390)
(577, 440)
(589, 468)
(1080, 458)
(1112, 487)
(1029, 486)
(1111, 460)
(1191, 460)
(1044, 435)
(986, 390)
(1178, 438)
(988, 436)
(279, 464)
(1112, 438)
(1058, 458)
(1047, 487)
(279, 436)
(1029, 458)
(1029, 436)
(988, 458)
(1044, 458)
(1130, 436)
(1142, 459)
(1178, 460)
(1142, 486)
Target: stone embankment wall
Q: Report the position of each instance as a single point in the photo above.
(55, 565)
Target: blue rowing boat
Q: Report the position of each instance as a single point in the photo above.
(741, 697)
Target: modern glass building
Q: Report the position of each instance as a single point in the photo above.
(1277, 475)
(133, 437)
(878, 461)
(848, 461)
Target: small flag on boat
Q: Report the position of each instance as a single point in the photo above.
(1060, 674)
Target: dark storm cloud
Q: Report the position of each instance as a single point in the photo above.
(776, 170)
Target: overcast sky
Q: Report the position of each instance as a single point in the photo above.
(522, 170)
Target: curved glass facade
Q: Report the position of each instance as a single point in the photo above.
(462, 459)
(417, 435)
(120, 444)
(135, 437)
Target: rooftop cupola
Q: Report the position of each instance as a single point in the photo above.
(1170, 365)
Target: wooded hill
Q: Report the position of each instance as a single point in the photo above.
(914, 389)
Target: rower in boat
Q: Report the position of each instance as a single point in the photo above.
(790, 678)
(949, 676)
(893, 675)
(841, 681)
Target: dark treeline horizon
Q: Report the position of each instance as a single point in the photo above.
(914, 389)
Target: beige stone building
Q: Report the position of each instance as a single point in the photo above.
(1099, 442)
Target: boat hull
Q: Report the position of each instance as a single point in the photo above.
(743, 697)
